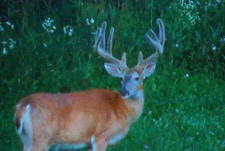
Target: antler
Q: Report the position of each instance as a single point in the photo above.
(107, 53)
(156, 41)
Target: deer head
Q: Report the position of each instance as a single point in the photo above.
(131, 78)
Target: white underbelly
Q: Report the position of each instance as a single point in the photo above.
(59, 147)
(114, 139)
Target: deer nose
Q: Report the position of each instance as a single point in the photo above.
(124, 92)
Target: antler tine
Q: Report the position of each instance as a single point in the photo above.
(140, 57)
(109, 43)
(107, 53)
(104, 25)
(162, 36)
(97, 36)
(156, 41)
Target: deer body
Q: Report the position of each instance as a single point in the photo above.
(74, 118)
(95, 118)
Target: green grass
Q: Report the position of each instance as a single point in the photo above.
(184, 99)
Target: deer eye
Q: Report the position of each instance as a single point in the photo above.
(136, 78)
(121, 78)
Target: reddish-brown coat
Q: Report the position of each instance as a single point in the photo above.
(75, 117)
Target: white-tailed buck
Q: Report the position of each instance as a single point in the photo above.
(95, 118)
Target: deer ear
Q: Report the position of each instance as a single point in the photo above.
(113, 70)
(148, 69)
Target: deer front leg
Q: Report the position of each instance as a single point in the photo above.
(98, 145)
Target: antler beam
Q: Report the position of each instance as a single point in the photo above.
(156, 41)
(107, 53)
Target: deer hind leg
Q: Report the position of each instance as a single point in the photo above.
(39, 147)
(40, 142)
(24, 129)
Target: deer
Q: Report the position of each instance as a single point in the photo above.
(95, 118)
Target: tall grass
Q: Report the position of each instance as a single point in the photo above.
(184, 107)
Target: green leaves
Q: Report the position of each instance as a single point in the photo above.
(184, 107)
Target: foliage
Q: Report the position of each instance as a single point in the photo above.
(48, 46)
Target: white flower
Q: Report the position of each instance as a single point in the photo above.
(8, 23)
(87, 21)
(11, 46)
(177, 45)
(213, 47)
(4, 43)
(45, 45)
(68, 30)
(10, 43)
(4, 51)
(188, 9)
(92, 21)
(222, 39)
(186, 75)
(12, 26)
(1, 28)
(48, 25)
(146, 147)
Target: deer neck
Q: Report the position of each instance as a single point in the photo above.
(138, 95)
(137, 102)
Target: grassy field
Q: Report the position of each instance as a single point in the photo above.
(47, 46)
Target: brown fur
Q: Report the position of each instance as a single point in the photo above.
(73, 118)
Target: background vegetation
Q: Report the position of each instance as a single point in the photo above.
(47, 46)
